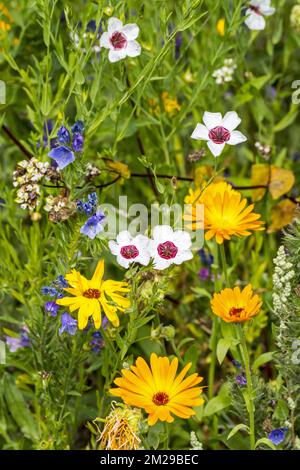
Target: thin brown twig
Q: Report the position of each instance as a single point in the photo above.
(14, 139)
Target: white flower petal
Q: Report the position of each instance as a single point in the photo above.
(104, 41)
(124, 238)
(182, 256)
(114, 247)
(200, 132)
(236, 137)
(161, 263)
(162, 233)
(114, 24)
(143, 258)
(116, 55)
(133, 49)
(254, 21)
(212, 120)
(267, 10)
(182, 239)
(231, 120)
(131, 31)
(216, 149)
(123, 261)
(141, 241)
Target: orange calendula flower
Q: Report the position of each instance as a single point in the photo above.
(158, 391)
(225, 212)
(91, 296)
(236, 306)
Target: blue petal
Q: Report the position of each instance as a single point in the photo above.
(62, 155)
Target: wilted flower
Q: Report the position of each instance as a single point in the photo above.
(129, 249)
(255, 13)
(89, 296)
(121, 429)
(60, 208)
(168, 246)
(68, 324)
(120, 40)
(93, 225)
(277, 436)
(236, 306)
(219, 131)
(158, 390)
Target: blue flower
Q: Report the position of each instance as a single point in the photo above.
(241, 380)
(62, 155)
(48, 290)
(207, 259)
(15, 343)
(97, 342)
(236, 363)
(88, 207)
(277, 436)
(93, 225)
(63, 135)
(93, 199)
(60, 282)
(68, 324)
(51, 307)
(78, 127)
(77, 142)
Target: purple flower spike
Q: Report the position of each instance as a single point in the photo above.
(277, 436)
(52, 308)
(63, 135)
(204, 274)
(77, 142)
(93, 225)
(62, 155)
(241, 380)
(78, 127)
(68, 325)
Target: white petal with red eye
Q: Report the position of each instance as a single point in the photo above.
(212, 120)
(176, 244)
(131, 31)
(182, 239)
(133, 49)
(129, 249)
(236, 137)
(105, 41)
(231, 120)
(216, 149)
(200, 132)
(114, 24)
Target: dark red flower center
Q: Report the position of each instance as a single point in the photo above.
(129, 251)
(160, 398)
(236, 312)
(118, 40)
(219, 135)
(255, 9)
(167, 250)
(91, 293)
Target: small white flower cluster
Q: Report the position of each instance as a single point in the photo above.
(26, 178)
(282, 277)
(225, 73)
(54, 203)
(59, 208)
(264, 150)
(195, 444)
(92, 171)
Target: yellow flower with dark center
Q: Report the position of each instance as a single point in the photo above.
(158, 391)
(236, 306)
(225, 212)
(91, 296)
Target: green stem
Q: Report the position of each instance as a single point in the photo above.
(212, 366)
(224, 264)
(249, 402)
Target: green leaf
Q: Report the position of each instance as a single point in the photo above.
(222, 348)
(238, 428)
(262, 359)
(287, 120)
(19, 409)
(217, 404)
(266, 441)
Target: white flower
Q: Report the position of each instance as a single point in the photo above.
(120, 40)
(256, 12)
(168, 247)
(129, 249)
(219, 131)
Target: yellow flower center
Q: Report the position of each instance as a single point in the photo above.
(91, 294)
(236, 312)
(160, 398)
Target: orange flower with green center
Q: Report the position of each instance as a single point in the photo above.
(236, 306)
(158, 390)
(225, 212)
(91, 296)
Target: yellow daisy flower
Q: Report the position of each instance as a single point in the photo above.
(236, 306)
(158, 391)
(92, 295)
(225, 212)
